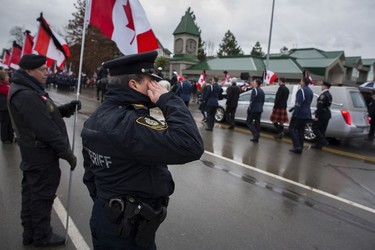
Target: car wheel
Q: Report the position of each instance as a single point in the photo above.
(220, 114)
(309, 134)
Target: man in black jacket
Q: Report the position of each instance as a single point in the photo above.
(255, 110)
(322, 115)
(43, 139)
(371, 114)
(211, 99)
(126, 152)
(279, 114)
(233, 94)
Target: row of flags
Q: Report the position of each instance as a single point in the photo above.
(269, 77)
(46, 42)
(123, 21)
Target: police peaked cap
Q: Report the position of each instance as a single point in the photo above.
(142, 63)
(328, 84)
(31, 61)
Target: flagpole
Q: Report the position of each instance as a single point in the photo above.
(75, 118)
(269, 37)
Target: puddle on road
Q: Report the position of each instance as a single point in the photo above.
(300, 198)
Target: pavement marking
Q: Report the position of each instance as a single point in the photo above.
(352, 203)
(74, 234)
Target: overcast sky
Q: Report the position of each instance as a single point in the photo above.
(328, 25)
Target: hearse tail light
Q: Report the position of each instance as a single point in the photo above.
(346, 116)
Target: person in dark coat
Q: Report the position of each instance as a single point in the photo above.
(254, 112)
(279, 114)
(301, 115)
(7, 133)
(202, 104)
(371, 114)
(233, 94)
(126, 152)
(322, 115)
(42, 139)
(211, 99)
(184, 90)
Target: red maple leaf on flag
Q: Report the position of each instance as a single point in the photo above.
(129, 16)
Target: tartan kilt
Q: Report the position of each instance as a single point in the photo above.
(279, 115)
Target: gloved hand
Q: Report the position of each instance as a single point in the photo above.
(75, 103)
(68, 109)
(70, 158)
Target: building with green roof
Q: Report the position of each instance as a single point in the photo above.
(321, 65)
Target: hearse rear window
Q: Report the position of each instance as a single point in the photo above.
(357, 99)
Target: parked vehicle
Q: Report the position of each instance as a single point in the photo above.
(349, 111)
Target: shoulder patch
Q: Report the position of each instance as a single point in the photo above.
(151, 123)
(322, 97)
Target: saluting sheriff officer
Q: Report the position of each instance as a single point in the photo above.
(322, 115)
(126, 152)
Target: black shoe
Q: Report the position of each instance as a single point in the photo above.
(369, 138)
(53, 241)
(27, 241)
(231, 127)
(296, 150)
(278, 136)
(254, 140)
(208, 129)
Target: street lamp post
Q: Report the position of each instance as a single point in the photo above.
(269, 37)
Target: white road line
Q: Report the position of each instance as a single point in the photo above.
(352, 203)
(73, 233)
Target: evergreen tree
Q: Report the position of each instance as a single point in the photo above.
(229, 46)
(201, 51)
(257, 50)
(98, 47)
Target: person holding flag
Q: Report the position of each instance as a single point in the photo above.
(42, 139)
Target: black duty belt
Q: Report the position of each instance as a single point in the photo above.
(136, 217)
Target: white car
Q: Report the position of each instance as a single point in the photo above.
(349, 111)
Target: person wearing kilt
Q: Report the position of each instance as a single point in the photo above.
(279, 114)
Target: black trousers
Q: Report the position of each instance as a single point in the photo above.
(319, 129)
(230, 114)
(372, 128)
(297, 130)
(7, 133)
(105, 235)
(39, 185)
(211, 111)
(253, 123)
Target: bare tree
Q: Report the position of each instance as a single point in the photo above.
(17, 35)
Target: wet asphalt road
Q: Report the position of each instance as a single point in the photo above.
(227, 200)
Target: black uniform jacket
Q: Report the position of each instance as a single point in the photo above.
(233, 94)
(40, 128)
(126, 151)
(323, 105)
(281, 98)
(371, 109)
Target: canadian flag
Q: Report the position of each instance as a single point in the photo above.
(124, 22)
(201, 80)
(28, 42)
(15, 56)
(306, 74)
(51, 44)
(269, 77)
(226, 77)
